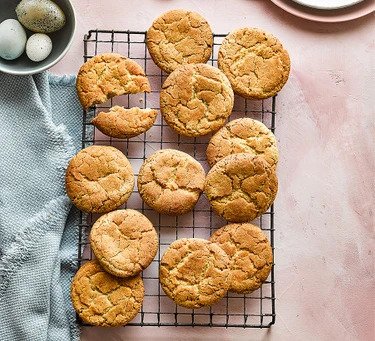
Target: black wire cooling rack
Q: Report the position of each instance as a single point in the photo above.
(255, 310)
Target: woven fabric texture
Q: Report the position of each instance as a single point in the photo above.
(40, 130)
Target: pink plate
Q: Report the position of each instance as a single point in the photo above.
(339, 15)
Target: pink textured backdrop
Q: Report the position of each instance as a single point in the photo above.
(325, 127)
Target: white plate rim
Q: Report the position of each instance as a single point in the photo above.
(308, 15)
(327, 6)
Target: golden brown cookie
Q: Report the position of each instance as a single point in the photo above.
(255, 63)
(250, 253)
(194, 272)
(196, 99)
(124, 242)
(179, 37)
(243, 135)
(108, 75)
(171, 181)
(99, 179)
(241, 187)
(125, 123)
(101, 299)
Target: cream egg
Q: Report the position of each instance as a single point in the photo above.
(12, 39)
(38, 47)
(43, 16)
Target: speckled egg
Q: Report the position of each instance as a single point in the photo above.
(12, 39)
(42, 16)
(38, 47)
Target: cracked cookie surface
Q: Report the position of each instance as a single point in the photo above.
(255, 63)
(179, 37)
(99, 179)
(250, 253)
(171, 181)
(196, 99)
(243, 135)
(194, 272)
(107, 75)
(101, 299)
(241, 187)
(125, 123)
(124, 242)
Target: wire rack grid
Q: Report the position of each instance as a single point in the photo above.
(255, 310)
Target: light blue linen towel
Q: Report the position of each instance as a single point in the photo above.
(40, 130)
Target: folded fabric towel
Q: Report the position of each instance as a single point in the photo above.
(40, 130)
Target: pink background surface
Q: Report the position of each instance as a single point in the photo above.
(325, 128)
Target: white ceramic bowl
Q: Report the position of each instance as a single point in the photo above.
(61, 40)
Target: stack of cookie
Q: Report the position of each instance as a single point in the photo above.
(196, 99)
(196, 272)
(109, 291)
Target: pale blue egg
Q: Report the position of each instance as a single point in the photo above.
(12, 39)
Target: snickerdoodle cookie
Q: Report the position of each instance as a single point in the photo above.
(194, 272)
(241, 187)
(255, 63)
(171, 181)
(125, 123)
(250, 253)
(243, 135)
(196, 99)
(99, 179)
(124, 242)
(107, 75)
(179, 37)
(101, 299)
